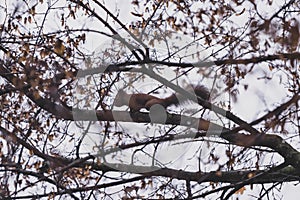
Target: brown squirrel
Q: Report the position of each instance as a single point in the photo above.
(140, 100)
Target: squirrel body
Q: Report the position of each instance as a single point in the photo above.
(138, 101)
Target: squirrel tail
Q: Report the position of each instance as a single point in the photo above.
(175, 99)
(202, 91)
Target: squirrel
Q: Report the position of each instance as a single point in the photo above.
(135, 102)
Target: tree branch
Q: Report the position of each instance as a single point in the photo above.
(124, 66)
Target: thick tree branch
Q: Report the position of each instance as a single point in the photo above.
(124, 66)
(276, 112)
